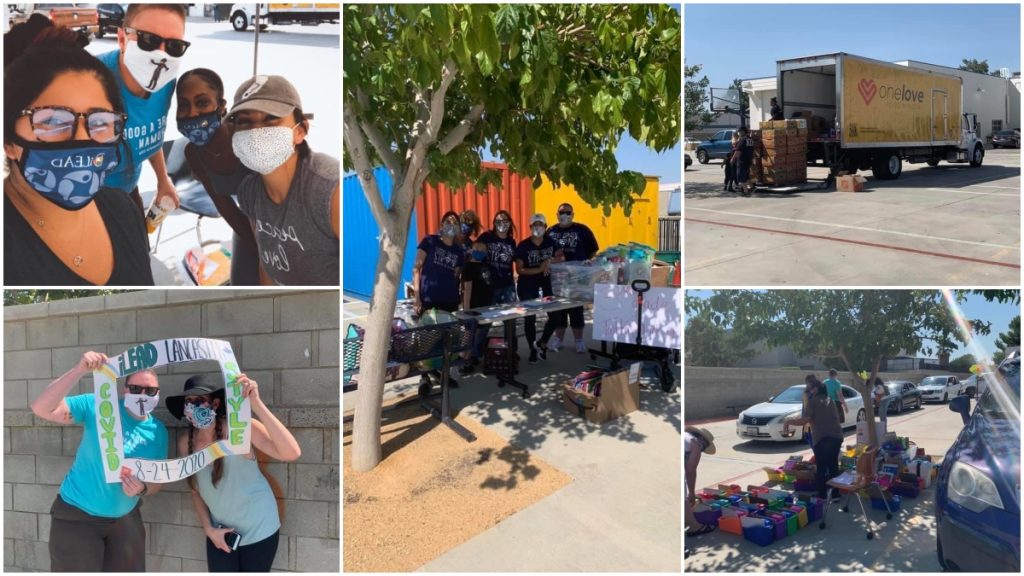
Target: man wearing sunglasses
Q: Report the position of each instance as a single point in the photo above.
(96, 526)
(150, 48)
(576, 242)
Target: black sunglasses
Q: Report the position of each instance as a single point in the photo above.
(148, 42)
(565, 212)
(147, 390)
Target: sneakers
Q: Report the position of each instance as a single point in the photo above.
(542, 351)
(468, 368)
(533, 355)
(581, 348)
(555, 344)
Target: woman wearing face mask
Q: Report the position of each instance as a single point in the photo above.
(469, 228)
(234, 495)
(63, 135)
(150, 47)
(96, 526)
(438, 268)
(292, 200)
(200, 114)
(533, 258)
(500, 242)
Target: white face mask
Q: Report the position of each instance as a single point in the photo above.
(565, 218)
(140, 404)
(264, 149)
(152, 70)
(538, 231)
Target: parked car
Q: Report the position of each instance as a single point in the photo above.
(764, 421)
(687, 160)
(1006, 139)
(903, 395)
(111, 18)
(977, 384)
(715, 147)
(79, 17)
(940, 388)
(977, 494)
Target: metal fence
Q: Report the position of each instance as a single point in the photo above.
(668, 234)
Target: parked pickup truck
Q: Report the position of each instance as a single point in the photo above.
(80, 17)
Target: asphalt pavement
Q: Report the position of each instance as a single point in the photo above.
(906, 543)
(945, 225)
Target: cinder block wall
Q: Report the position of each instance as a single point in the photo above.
(288, 341)
(710, 392)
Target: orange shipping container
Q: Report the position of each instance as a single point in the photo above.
(515, 195)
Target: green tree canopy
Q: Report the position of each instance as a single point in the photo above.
(1007, 339)
(962, 364)
(549, 88)
(708, 344)
(696, 110)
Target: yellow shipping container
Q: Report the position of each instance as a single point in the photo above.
(640, 226)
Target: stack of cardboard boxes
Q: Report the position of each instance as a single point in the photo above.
(781, 152)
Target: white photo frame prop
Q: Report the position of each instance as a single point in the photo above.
(152, 355)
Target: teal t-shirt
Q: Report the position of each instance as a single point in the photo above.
(144, 130)
(84, 487)
(833, 386)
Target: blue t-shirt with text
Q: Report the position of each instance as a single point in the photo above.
(533, 255)
(85, 486)
(439, 276)
(500, 254)
(145, 128)
(576, 240)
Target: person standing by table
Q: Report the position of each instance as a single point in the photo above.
(500, 243)
(533, 261)
(438, 268)
(477, 291)
(576, 242)
(821, 414)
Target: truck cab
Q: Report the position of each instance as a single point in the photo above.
(244, 15)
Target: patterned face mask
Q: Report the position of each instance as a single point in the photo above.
(202, 416)
(264, 149)
(200, 130)
(69, 174)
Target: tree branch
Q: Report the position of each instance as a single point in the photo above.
(356, 146)
(376, 138)
(459, 133)
(448, 72)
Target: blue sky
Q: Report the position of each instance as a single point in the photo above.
(942, 34)
(975, 308)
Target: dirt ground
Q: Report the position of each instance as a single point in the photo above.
(433, 491)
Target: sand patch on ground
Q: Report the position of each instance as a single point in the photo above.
(433, 491)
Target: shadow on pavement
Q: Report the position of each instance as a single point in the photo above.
(275, 36)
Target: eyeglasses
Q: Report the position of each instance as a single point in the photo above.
(148, 42)
(59, 123)
(565, 212)
(147, 390)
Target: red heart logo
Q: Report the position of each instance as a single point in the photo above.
(867, 90)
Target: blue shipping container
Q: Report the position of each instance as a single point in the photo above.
(361, 244)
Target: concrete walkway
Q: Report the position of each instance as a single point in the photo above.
(622, 511)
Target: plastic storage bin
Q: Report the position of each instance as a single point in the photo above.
(761, 534)
(576, 281)
(802, 516)
(879, 504)
(731, 521)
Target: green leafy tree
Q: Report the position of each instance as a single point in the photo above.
(1007, 339)
(708, 344)
(858, 327)
(548, 88)
(962, 364)
(697, 114)
(974, 65)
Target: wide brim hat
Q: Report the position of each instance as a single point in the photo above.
(195, 386)
(706, 435)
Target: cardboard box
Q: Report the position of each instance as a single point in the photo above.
(620, 395)
(851, 184)
(862, 431)
(660, 275)
(779, 124)
(765, 125)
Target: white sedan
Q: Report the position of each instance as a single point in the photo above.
(764, 421)
(940, 388)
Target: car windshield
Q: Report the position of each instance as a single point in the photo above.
(1005, 133)
(894, 387)
(1002, 399)
(792, 395)
(934, 381)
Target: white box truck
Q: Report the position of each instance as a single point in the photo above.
(867, 114)
(244, 15)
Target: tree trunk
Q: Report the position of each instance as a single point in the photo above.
(366, 445)
(944, 359)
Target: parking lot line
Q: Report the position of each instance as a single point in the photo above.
(846, 226)
(976, 193)
(863, 243)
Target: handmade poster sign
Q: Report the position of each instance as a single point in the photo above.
(615, 315)
(153, 355)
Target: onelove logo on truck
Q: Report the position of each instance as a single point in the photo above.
(868, 89)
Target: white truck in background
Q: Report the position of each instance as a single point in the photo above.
(244, 15)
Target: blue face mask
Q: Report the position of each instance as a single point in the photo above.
(479, 255)
(69, 174)
(466, 229)
(200, 130)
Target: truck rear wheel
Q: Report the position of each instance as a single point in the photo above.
(887, 167)
(933, 162)
(977, 156)
(239, 22)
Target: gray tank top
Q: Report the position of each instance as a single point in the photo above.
(242, 500)
(225, 185)
(297, 245)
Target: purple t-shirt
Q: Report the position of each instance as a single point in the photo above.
(500, 254)
(439, 277)
(576, 240)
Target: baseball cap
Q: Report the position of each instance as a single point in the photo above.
(271, 95)
(538, 218)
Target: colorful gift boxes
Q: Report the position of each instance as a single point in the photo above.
(731, 521)
(879, 503)
(758, 530)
